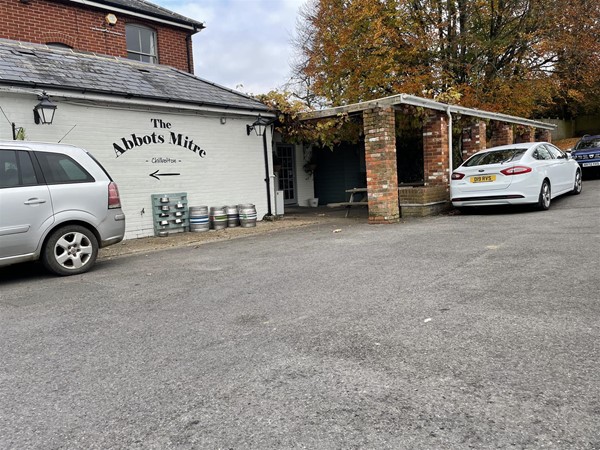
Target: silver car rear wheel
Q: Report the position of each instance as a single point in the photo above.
(70, 250)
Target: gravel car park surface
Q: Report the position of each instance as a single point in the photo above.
(455, 331)
(296, 217)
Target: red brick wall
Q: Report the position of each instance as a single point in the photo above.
(172, 47)
(436, 150)
(382, 173)
(473, 139)
(545, 136)
(422, 201)
(525, 134)
(83, 28)
(502, 134)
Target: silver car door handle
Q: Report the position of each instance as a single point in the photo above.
(35, 201)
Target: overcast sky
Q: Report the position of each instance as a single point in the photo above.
(246, 43)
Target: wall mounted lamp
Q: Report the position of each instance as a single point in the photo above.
(259, 126)
(43, 112)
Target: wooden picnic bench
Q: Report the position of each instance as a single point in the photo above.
(358, 197)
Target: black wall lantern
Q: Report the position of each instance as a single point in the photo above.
(259, 126)
(43, 113)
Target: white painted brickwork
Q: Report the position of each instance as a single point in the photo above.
(231, 172)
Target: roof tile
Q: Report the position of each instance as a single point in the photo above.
(47, 67)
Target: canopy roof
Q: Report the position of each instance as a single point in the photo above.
(406, 99)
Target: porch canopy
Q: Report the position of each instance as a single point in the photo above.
(380, 148)
(405, 99)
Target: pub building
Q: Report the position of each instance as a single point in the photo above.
(120, 76)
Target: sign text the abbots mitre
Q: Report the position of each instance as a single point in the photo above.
(165, 135)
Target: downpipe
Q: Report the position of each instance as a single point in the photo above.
(267, 174)
(450, 149)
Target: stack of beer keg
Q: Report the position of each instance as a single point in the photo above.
(219, 217)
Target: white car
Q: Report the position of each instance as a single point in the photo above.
(527, 173)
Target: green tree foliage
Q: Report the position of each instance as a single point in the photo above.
(524, 57)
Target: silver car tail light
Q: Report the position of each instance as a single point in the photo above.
(114, 201)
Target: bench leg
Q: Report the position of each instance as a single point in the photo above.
(351, 200)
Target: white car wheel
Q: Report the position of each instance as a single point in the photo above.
(545, 196)
(578, 186)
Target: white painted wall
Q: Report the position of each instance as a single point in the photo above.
(231, 172)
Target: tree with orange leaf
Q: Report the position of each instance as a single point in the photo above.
(525, 57)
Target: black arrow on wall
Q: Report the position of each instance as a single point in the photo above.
(156, 175)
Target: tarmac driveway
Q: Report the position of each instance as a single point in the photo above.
(476, 331)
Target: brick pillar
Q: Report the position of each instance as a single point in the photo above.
(525, 134)
(436, 150)
(502, 134)
(545, 136)
(473, 139)
(382, 173)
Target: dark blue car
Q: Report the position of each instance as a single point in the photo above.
(587, 151)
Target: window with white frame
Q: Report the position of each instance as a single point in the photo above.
(141, 43)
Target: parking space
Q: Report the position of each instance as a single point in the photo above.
(453, 331)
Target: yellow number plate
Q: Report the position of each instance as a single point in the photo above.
(483, 179)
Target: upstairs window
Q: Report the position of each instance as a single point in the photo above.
(141, 43)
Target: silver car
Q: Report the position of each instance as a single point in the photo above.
(57, 204)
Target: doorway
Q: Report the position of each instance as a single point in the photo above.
(286, 160)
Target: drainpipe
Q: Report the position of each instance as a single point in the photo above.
(450, 150)
(188, 49)
(267, 173)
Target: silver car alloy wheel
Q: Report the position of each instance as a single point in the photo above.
(73, 250)
(578, 185)
(545, 195)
